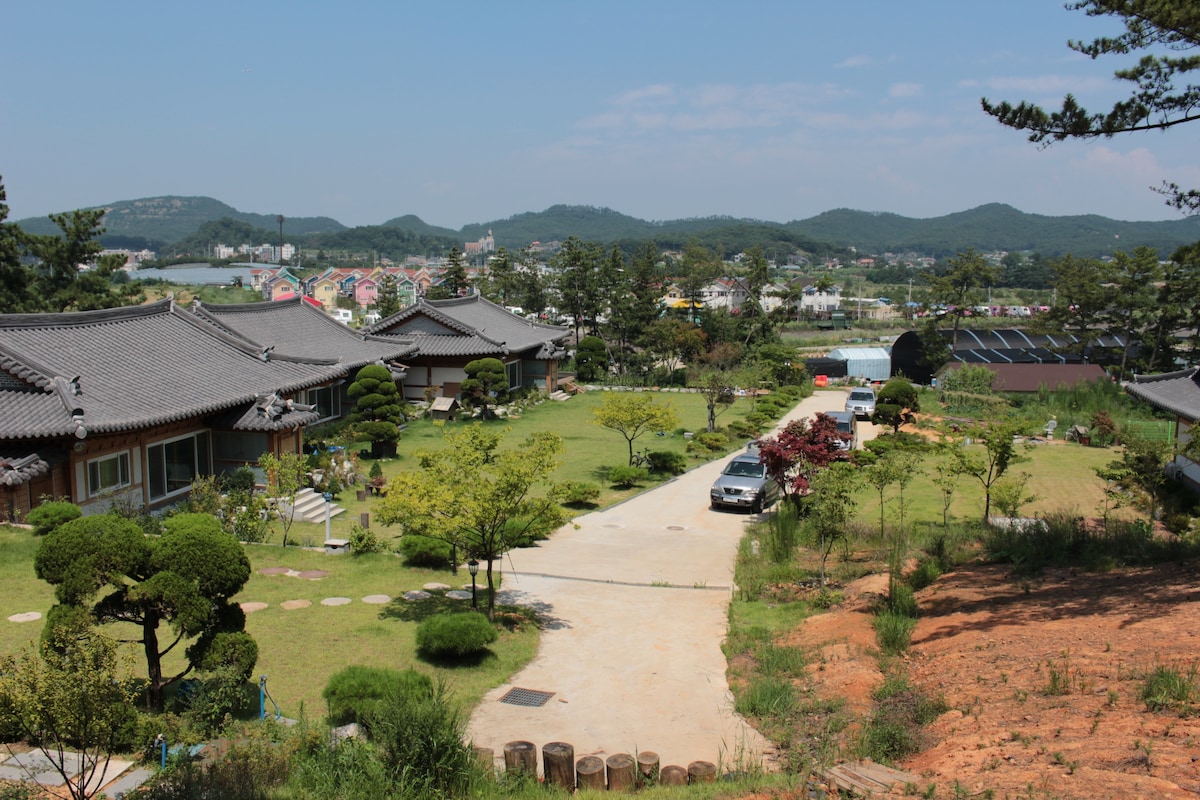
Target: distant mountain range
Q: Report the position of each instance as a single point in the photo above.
(185, 224)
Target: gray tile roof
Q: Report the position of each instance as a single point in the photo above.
(128, 368)
(296, 328)
(480, 327)
(18, 469)
(1176, 392)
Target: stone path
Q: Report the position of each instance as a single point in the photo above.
(251, 607)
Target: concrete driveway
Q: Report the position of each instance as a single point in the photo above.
(634, 602)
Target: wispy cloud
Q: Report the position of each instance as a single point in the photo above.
(905, 90)
(1047, 84)
(854, 62)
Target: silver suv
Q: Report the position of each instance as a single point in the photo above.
(861, 402)
(744, 483)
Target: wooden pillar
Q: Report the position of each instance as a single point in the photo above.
(648, 766)
(364, 520)
(589, 773)
(486, 757)
(702, 772)
(558, 764)
(673, 775)
(622, 773)
(520, 757)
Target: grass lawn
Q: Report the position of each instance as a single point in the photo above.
(589, 450)
(1061, 479)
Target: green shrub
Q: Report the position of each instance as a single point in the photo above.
(758, 419)
(50, 515)
(422, 744)
(348, 771)
(667, 462)
(424, 551)
(1169, 689)
(450, 636)
(893, 631)
(364, 540)
(580, 493)
(239, 480)
(353, 694)
(743, 429)
(767, 696)
(709, 442)
(626, 476)
(901, 600)
(894, 730)
(927, 571)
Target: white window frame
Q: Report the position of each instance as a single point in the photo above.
(200, 469)
(124, 473)
(335, 401)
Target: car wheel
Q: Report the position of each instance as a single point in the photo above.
(757, 508)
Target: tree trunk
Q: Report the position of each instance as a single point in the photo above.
(558, 764)
(702, 772)
(520, 757)
(673, 775)
(648, 766)
(622, 773)
(154, 685)
(589, 773)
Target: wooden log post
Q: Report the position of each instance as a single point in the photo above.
(558, 764)
(589, 773)
(702, 772)
(486, 757)
(673, 775)
(648, 766)
(622, 773)
(520, 757)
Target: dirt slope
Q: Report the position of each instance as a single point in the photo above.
(1043, 678)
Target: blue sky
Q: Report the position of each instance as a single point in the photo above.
(468, 112)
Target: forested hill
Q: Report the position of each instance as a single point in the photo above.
(187, 223)
(163, 220)
(995, 227)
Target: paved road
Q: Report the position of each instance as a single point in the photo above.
(635, 607)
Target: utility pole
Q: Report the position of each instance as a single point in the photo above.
(279, 219)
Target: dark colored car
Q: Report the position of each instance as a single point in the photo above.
(744, 483)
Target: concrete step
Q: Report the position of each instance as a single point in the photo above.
(560, 396)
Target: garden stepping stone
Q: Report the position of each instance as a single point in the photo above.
(458, 594)
(417, 594)
(312, 574)
(274, 571)
(250, 608)
(377, 599)
(336, 601)
(291, 605)
(25, 616)
(436, 587)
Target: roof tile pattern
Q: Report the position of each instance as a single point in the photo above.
(1176, 392)
(296, 328)
(128, 368)
(482, 327)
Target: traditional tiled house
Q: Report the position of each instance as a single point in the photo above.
(1177, 393)
(449, 334)
(296, 329)
(136, 402)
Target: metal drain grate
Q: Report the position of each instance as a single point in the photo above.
(530, 698)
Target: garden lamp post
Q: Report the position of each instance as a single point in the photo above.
(473, 568)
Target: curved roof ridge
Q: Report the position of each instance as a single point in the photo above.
(59, 319)
(247, 346)
(20, 365)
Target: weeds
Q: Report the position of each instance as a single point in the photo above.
(1172, 689)
(893, 631)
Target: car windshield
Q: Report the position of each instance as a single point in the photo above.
(844, 427)
(747, 469)
(862, 395)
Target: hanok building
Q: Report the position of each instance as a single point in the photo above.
(1177, 393)
(134, 403)
(449, 334)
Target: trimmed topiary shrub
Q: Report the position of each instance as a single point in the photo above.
(50, 515)
(422, 551)
(626, 477)
(363, 540)
(353, 694)
(450, 636)
(580, 493)
(667, 462)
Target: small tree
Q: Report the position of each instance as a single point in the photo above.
(591, 359)
(896, 404)
(987, 464)
(478, 496)
(186, 579)
(286, 476)
(486, 384)
(634, 414)
(800, 451)
(378, 409)
(831, 504)
(74, 693)
(1140, 472)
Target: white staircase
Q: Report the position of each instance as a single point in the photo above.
(560, 396)
(310, 507)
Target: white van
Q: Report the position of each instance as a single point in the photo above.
(343, 315)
